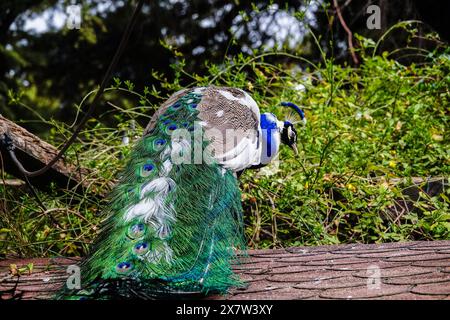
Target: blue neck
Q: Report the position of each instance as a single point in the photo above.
(270, 141)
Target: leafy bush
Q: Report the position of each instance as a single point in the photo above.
(367, 127)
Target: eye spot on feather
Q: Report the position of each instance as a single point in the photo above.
(124, 267)
(141, 248)
(136, 231)
(158, 144)
(147, 169)
(176, 106)
(164, 232)
(130, 192)
(171, 128)
(164, 117)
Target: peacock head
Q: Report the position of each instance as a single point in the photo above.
(275, 133)
(289, 136)
(288, 132)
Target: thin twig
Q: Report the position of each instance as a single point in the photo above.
(40, 203)
(349, 32)
(274, 221)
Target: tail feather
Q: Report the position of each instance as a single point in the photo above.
(172, 228)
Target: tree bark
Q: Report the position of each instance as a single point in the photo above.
(34, 153)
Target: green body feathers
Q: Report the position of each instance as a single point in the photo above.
(173, 226)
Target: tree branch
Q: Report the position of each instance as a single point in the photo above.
(349, 32)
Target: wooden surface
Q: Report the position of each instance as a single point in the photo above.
(408, 270)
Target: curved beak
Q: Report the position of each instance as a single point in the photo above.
(294, 147)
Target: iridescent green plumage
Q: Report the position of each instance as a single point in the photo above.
(171, 227)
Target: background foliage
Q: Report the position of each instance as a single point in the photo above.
(368, 125)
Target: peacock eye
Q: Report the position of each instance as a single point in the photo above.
(159, 143)
(124, 267)
(165, 117)
(164, 232)
(141, 248)
(147, 169)
(176, 105)
(136, 231)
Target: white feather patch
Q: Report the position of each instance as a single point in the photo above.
(180, 145)
(223, 171)
(181, 151)
(164, 231)
(246, 100)
(166, 168)
(144, 209)
(168, 253)
(165, 253)
(166, 153)
(161, 186)
(153, 210)
(199, 90)
(164, 216)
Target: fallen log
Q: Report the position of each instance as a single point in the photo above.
(34, 153)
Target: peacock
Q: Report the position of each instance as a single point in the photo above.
(174, 221)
